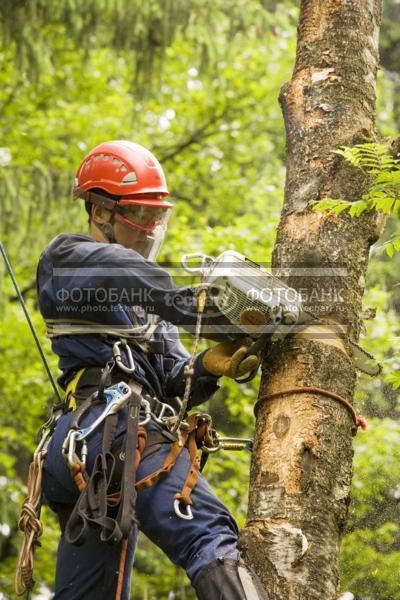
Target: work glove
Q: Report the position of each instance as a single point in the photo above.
(227, 359)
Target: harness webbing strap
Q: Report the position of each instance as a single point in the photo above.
(126, 510)
(194, 470)
(169, 462)
(196, 434)
(71, 387)
(138, 334)
(94, 504)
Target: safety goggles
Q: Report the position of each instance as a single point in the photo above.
(145, 214)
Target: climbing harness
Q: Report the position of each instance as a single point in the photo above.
(140, 335)
(96, 496)
(195, 433)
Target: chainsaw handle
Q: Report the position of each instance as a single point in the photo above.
(257, 345)
(254, 349)
(205, 262)
(248, 377)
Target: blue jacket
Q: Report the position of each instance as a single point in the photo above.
(80, 279)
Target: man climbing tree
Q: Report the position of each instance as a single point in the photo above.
(301, 470)
(129, 382)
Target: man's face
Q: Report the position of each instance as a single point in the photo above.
(137, 227)
(129, 237)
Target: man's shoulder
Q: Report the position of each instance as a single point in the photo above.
(67, 239)
(77, 248)
(63, 244)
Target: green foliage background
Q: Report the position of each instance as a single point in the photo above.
(197, 83)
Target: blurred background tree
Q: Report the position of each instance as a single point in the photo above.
(197, 82)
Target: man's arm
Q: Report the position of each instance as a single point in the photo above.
(204, 384)
(79, 271)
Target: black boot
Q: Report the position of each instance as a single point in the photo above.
(228, 579)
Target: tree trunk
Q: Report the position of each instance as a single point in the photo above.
(301, 468)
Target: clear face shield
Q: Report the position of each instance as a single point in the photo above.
(149, 221)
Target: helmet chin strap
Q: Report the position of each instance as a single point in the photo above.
(107, 229)
(157, 237)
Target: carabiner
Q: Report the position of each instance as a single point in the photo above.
(211, 449)
(188, 516)
(43, 443)
(147, 411)
(118, 359)
(69, 447)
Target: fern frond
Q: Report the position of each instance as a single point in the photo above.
(372, 157)
(384, 192)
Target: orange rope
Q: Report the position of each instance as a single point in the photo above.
(359, 420)
(124, 546)
(29, 523)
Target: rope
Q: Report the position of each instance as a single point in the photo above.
(359, 420)
(29, 523)
(189, 370)
(29, 320)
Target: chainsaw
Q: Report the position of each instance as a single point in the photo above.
(257, 304)
(253, 300)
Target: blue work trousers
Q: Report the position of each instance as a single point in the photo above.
(90, 571)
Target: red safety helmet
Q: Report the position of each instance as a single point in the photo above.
(124, 169)
(132, 173)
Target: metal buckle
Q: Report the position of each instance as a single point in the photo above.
(161, 418)
(41, 448)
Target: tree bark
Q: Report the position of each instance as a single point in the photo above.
(302, 462)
